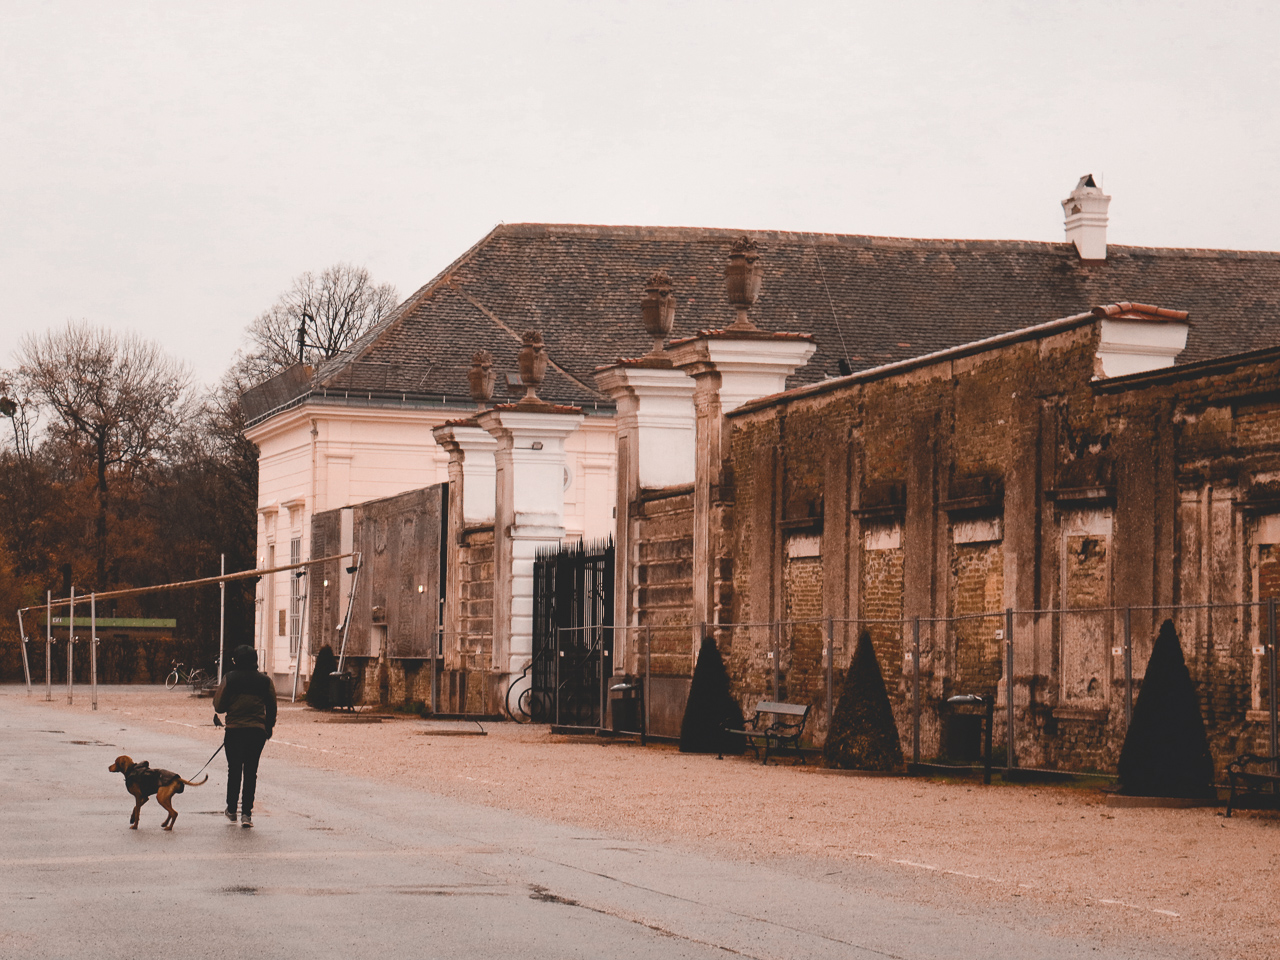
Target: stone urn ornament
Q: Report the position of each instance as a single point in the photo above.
(533, 365)
(742, 278)
(658, 305)
(481, 377)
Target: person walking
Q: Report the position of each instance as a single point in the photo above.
(248, 698)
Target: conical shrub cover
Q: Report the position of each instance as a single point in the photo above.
(318, 688)
(711, 707)
(863, 734)
(1166, 752)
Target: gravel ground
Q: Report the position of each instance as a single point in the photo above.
(1188, 878)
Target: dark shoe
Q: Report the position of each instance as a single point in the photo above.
(246, 820)
(230, 814)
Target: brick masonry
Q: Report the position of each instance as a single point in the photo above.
(1145, 490)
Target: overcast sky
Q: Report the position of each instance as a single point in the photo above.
(169, 167)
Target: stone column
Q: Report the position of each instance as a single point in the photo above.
(729, 368)
(530, 470)
(471, 503)
(656, 447)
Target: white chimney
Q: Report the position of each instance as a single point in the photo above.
(1086, 213)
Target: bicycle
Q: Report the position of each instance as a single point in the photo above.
(195, 677)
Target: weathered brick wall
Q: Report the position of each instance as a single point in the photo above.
(1178, 465)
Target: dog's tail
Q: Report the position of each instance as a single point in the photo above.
(194, 783)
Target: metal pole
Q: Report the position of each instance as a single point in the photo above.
(346, 621)
(830, 669)
(775, 633)
(915, 691)
(648, 660)
(71, 643)
(435, 645)
(559, 654)
(302, 637)
(1010, 753)
(26, 663)
(222, 613)
(93, 650)
(1271, 678)
(604, 682)
(1128, 666)
(48, 644)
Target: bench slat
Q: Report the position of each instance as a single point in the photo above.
(790, 709)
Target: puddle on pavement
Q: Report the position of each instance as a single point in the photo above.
(89, 743)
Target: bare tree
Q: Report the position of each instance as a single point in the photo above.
(121, 400)
(339, 306)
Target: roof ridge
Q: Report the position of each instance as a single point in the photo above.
(639, 231)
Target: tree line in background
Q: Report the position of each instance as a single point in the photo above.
(118, 471)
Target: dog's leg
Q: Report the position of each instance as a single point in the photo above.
(163, 797)
(137, 810)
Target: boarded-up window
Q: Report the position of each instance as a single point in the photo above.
(977, 587)
(1086, 586)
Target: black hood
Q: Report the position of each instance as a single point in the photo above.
(244, 657)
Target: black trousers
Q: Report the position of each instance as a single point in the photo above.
(244, 748)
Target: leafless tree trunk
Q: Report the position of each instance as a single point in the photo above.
(121, 399)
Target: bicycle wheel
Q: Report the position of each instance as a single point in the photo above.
(171, 680)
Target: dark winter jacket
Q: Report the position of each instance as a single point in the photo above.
(248, 698)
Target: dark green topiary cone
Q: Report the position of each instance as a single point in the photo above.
(1166, 752)
(863, 734)
(318, 688)
(711, 707)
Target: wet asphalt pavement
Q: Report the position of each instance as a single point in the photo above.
(340, 866)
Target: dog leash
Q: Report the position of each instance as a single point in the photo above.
(209, 761)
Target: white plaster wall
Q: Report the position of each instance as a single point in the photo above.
(361, 454)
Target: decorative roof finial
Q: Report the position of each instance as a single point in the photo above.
(658, 306)
(533, 365)
(481, 377)
(742, 278)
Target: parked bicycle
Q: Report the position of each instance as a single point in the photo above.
(194, 677)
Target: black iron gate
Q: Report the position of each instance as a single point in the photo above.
(572, 633)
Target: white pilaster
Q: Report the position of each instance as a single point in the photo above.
(655, 420)
(729, 368)
(529, 513)
(471, 467)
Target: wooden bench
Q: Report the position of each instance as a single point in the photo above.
(775, 727)
(1251, 781)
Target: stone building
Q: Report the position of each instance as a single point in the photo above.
(646, 452)
(1018, 473)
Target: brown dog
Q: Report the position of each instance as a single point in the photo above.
(141, 781)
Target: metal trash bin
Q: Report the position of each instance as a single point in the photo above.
(342, 690)
(624, 707)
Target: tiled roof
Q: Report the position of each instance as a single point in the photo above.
(868, 300)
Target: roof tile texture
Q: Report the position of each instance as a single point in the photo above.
(869, 300)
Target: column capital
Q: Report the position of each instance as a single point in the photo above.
(750, 364)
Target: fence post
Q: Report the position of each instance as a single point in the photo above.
(559, 654)
(648, 660)
(831, 650)
(775, 633)
(1128, 666)
(93, 650)
(71, 644)
(1271, 679)
(915, 690)
(48, 644)
(604, 681)
(1010, 753)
